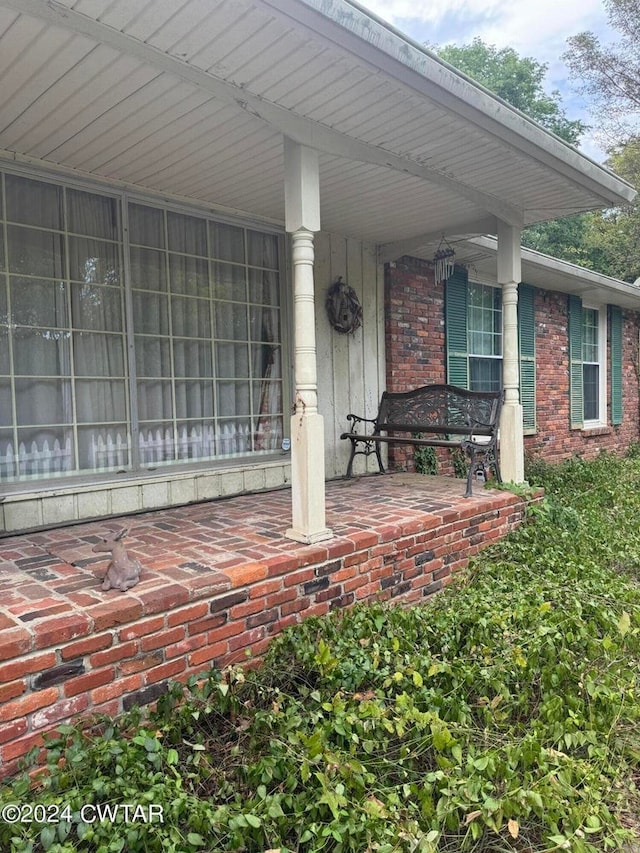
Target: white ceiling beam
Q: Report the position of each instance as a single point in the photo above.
(298, 128)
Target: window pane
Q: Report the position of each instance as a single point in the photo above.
(98, 355)
(590, 348)
(148, 269)
(229, 282)
(153, 356)
(192, 358)
(485, 374)
(154, 399)
(99, 401)
(88, 213)
(189, 275)
(262, 250)
(38, 253)
(194, 399)
(231, 321)
(146, 226)
(264, 287)
(591, 375)
(43, 401)
(93, 261)
(150, 313)
(104, 449)
(233, 398)
(190, 317)
(4, 351)
(232, 360)
(484, 320)
(264, 323)
(35, 302)
(44, 452)
(6, 406)
(187, 234)
(40, 352)
(34, 202)
(227, 242)
(156, 443)
(96, 307)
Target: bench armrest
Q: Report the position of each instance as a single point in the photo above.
(356, 419)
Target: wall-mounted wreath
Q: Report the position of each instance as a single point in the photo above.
(343, 307)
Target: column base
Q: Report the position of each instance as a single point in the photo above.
(511, 443)
(309, 538)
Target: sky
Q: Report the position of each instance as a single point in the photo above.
(536, 29)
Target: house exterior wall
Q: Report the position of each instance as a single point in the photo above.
(351, 367)
(416, 355)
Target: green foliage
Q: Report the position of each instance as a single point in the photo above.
(517, 80)
(459, 463)
(425, 460)
(501, 716)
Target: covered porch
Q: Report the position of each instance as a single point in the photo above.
(219, 580)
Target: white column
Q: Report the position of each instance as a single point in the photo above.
(302, 218)
(511, 429)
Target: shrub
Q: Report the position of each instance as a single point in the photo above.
(503, 715)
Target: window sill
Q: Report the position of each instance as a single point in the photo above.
(593, 431)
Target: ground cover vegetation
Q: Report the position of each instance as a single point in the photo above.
(501, 716)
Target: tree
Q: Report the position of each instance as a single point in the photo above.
(517, 80)
(613, 236)
(611, 75)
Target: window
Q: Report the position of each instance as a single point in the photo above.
(199, 302)
(484, 337)
(587, 350)
(473, 328)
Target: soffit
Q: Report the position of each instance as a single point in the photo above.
(137, 100)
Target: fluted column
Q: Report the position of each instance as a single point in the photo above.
(511, 429)
(302, 214)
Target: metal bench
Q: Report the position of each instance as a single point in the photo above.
(473, 417)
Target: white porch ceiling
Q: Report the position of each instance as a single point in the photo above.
(192, 98)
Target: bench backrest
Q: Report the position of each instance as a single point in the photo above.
(440, 409)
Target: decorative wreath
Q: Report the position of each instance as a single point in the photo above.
(343, 307)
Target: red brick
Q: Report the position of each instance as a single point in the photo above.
(11, 690)
(260, 590)
(88, 681)
(85, 647)
(20, 747)
(296, 606)
(187, 614)
(116, 689)
(140, 629)
(115, 654)
(201, 626)
(14, 642)
(185, 646)
(339, 548)
(281, 597)
(11, 731)
(164, 598)
(60, 711)
(117, 611)
(207, 654)
(141, 663)
(299, 577)
(27, 665)
(30, 703)
(248, 574)
(163, 638)
(241, 611)
(247, 638)
(167, 670)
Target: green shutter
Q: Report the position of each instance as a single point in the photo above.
(615, 324)
(455, 318)
(576, 409)
(527, 341)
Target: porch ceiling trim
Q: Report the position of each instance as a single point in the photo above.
(300, 129)
(364, 34)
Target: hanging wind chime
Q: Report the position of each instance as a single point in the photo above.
(444, 261)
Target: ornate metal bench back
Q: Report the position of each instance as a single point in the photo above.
(443, 408)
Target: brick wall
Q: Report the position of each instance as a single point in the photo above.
(415, 340)
(124, 652)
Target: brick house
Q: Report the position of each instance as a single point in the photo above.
(179, 188)
(578, 345)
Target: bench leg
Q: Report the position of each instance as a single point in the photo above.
(349, 473)
(379, 458)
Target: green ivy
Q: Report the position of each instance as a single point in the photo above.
(503, 715)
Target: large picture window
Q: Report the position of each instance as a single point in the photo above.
(129, 347)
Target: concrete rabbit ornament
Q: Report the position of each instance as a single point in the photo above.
(123, 571)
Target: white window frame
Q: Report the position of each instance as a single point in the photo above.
(601, 420)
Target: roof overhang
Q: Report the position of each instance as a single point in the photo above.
(194, 101)
(479, 255)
